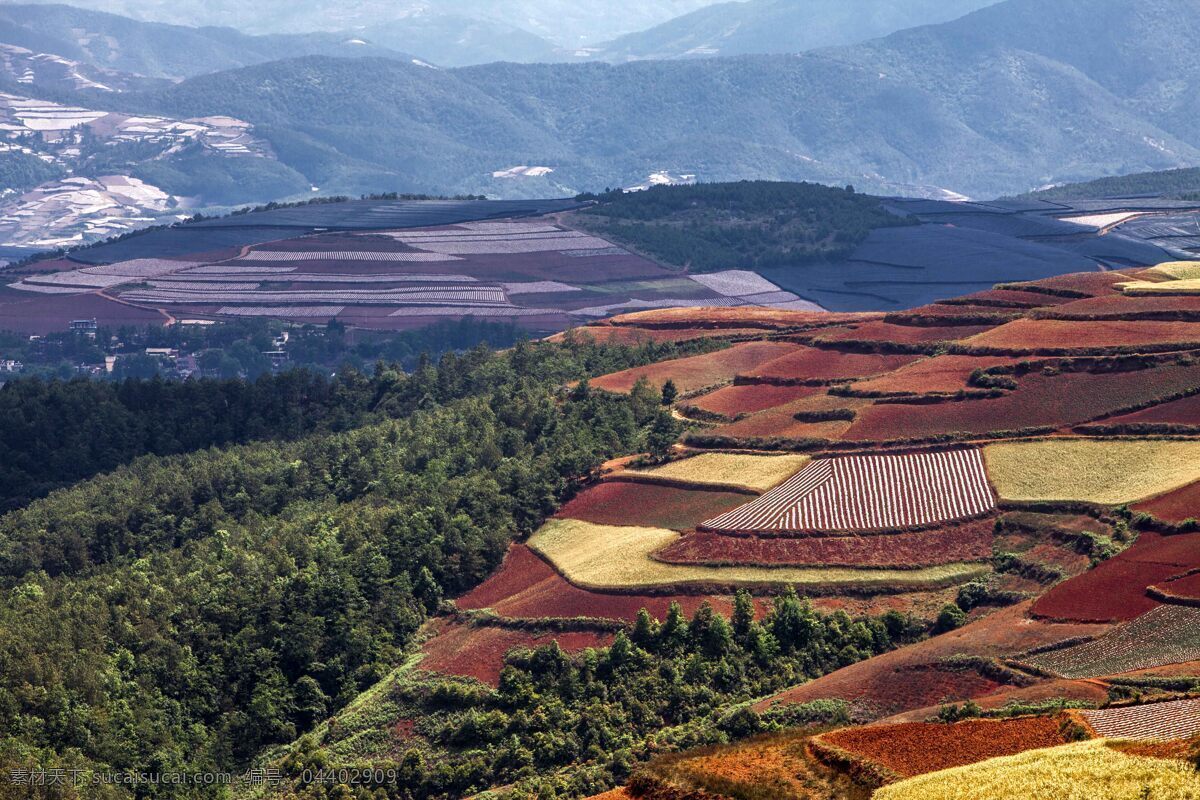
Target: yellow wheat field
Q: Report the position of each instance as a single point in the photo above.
(1186, 286)
(1177, 270)
(1084, 771)
(758, 473)
(612, 557)
(1108, 472)
(1180, 277)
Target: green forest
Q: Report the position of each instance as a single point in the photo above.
(1183, 184)
(184, 612)
(748, 224)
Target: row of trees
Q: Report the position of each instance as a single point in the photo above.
(561, 725)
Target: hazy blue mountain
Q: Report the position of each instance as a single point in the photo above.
(1009, 98)
(451, 40)
(780, 26)
(567, 23)
(158, 50)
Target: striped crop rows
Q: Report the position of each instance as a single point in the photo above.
(1161, 636)
(1176, 719)
(869, 493)
(203, 280)
(342, 255)
(281, 311)
(481, 295)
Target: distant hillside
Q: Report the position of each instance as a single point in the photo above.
(565, 23)
(1008, 98)
(452, 41)
(1181, 183)
(751, 224)
(157, 50)
(780, 26)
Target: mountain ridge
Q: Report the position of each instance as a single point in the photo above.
(965, 107)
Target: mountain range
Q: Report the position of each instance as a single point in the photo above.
(1003, 100)
(780, 26)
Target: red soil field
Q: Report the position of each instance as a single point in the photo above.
(1089, 283)
(970, 542)
(1184, 668)
(1120, 306)
(1174, 506)
(1031, 336)
(1115, 590)
(697, 372)
(478, 652)
(612, 334)
(915, 748)
(1185, 588)
(1056, 689)
(812, 364)
(730, 401)
(526, 587)
(29, 312)
(737, 317)
(1009, 298)
(904, 680)
(1060, 401)
(932, 375)
(781, 421)
(1185, 411)
(648, 504)
(924, 605)
(888, 692)
(901, 334)
(953, 315)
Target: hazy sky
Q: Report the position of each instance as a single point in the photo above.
(566, 22)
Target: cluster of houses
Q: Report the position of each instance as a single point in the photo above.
(173, 362)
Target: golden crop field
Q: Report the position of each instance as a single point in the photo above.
(1183, 286)
(758, 473)
(611, 557)
(1178, 277)
(1097, 471)
(1083, 771)
(1177, 270)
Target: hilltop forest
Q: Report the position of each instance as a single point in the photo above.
(183, 612)
(751, 224)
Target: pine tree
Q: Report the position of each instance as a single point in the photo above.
(673, 632)
(669, 392)
(743, 615)
(662, 435)
(644, 630)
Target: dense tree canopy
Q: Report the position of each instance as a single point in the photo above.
(748, 224)
(184, 612)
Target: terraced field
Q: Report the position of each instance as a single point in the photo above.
(944, 545)
(755, 473)
(865, 493)
(372, 267)
(611, 558)
(1082, 771)
(1164, 635)
(981, 481)
(699, 372)
(1178, 719)
(1119, 588)
(896, 752)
